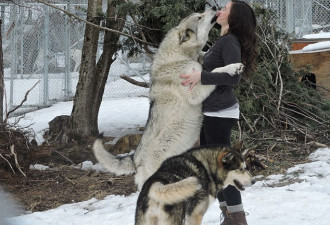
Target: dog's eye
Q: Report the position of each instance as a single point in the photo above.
(199, 18)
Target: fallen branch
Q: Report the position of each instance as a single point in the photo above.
(135, 82)
(317, 144)
(16, 161)
(250, 127)
(24, 100)
(8, 163)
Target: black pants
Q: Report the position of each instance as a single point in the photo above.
(217, 130)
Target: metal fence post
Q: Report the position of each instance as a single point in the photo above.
(290, 24)
(67, 78)
(306, 25)
(21, 37)
(46, 56)
(13, 67)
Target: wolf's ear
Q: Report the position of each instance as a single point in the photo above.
(238, 146)
(184, 35)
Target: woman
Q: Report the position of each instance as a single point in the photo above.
(237, 43)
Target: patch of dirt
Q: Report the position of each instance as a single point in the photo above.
(63, 183)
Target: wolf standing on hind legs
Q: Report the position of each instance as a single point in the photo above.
(221, 109)
(175, 112)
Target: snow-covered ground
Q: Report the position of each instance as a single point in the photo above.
(303, 201)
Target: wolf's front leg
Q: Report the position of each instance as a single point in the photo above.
(231, 69)
(201, 57)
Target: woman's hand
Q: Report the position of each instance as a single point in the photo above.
(191, 79)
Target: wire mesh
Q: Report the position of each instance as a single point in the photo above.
(42, 48)
(42, 55)
(297, 17)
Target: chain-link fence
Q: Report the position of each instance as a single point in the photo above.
(298, 17)
(42, 54)
(42, 47)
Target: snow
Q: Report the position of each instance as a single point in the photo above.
(299, 196)
(317, 36)
(321, 45)
(38, 167)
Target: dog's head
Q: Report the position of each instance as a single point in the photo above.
(197, 26)
(232, 166)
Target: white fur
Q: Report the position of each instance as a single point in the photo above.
(109, 161)
(175, 114)
(175, 192)
(75, 55)
(243, 176)
(163, 195)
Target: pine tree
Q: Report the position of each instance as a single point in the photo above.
(278, 112)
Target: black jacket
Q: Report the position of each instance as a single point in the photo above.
(225, 51)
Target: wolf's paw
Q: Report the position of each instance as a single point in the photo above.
(231, 69)
(237, 68)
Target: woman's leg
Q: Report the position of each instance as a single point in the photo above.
(217, 130)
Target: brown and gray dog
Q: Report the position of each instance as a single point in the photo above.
(184, 186)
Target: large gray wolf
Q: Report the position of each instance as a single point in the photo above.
(183, 187)
(175, 111)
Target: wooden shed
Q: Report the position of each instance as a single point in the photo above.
(318, 59)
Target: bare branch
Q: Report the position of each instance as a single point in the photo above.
(24, 100)
(135, 82)
(94, 25)
(12, 148)
(145, 47)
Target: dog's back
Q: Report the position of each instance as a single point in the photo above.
(181, 188)
(174, 191)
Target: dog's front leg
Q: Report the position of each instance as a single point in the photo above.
(199, 93)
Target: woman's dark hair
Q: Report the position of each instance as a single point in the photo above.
(242, 23)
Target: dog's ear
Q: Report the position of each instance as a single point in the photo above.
(228, 158)
(184, 35)
(238, 146)
(220, 157)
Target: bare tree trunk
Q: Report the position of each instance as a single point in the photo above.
(82, 112)
(92, 76)
(110, 47)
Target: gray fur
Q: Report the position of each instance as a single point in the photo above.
(181, 190)
(175, 112)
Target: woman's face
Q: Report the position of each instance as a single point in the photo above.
(223, 14)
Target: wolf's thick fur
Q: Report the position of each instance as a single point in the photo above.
(175, 112)
(181, 190)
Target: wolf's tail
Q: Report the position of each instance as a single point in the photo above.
(174, 192)
(115, 164)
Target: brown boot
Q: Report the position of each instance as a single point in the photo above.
(237, 218)
(224, 215)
